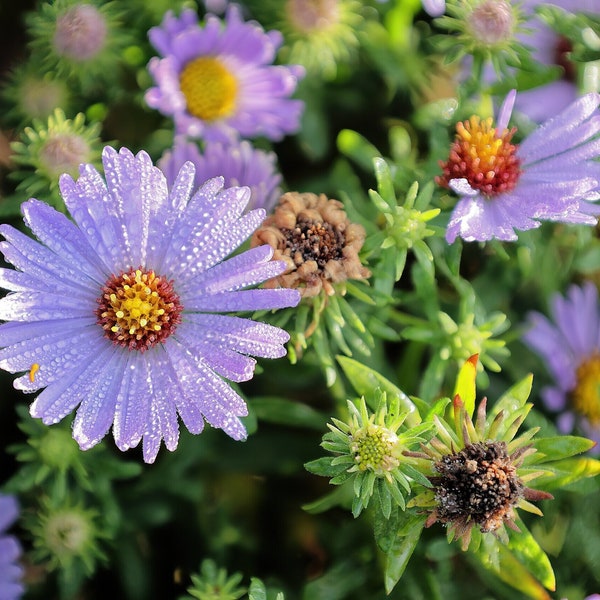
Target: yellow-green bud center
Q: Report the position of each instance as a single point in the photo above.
(373, 448)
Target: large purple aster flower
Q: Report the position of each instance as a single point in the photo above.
(549, 48)
(238, 163)
(570, 348)
(10, 551)
(218, 81)
(552, 175)
(118, 313)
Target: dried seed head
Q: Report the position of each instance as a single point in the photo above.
(477, 486)
(313, 236)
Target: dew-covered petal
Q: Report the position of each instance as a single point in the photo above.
(226, 363)
(41, 263)
(43, 306)
(243, 270)
(63, 237)
(562, 132)
(133, 401)
(89, 204)
(243, 300)
(479, 219)
(54, 354)
(139, 195)
(186, 382)
(219, 404)
(241, 335)
(162, 232)
(162, 422)
(64, 394)
(216, 229)
(96, 412)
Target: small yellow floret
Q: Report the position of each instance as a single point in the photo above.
(34, 369)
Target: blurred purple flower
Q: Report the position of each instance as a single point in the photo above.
(552, 175)
(240, 164)
(218, 81)
(569, 344)
(549, 48)
(434, 8)
(10, 551)
(118, 314)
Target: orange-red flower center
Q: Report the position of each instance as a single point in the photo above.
(138, 309)
(485, 159)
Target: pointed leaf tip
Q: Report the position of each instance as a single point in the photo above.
(465, 384)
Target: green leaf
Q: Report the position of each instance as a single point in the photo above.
(385, 184)
(283, 412)
(529, 553)
(357, 147)
(567, 471)
(513, 399)
(257, 590)
(323, 467)
(499, 558)
(559, 447)
(364, 380)
(399, 555)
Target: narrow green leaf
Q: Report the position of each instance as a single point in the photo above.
(323, 467)
(499, 558)
(398, 557)
(567, 471)
(357, 147)
(513, 399)
(385, 185)
(559, 447)
(529, 553)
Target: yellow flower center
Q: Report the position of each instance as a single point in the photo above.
(486, 160)
(209, 88)
(373, 448)
(138, 309)
(586, 395)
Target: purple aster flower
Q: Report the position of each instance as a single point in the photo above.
(549, 48)
(569, 344)
(10, 551)
(552, 175)
(218, 81)
(238, 163)
(117, 314)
